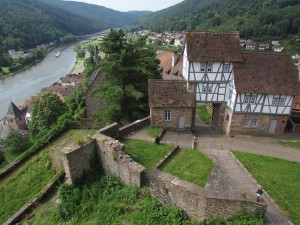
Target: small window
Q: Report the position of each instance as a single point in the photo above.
(246, 123)
(282, 102)
(226, 68)
(253, 100)
(275, 101)
(167, 115)
(202, 67)
(246, 99)
(204, 89)
(209, 89)
(254, 123)
(209, 67)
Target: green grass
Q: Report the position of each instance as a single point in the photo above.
(24, 185)
(106, 201)
(189, 165)
(5, 70)
(77, 64)
(203, 114)
(153, 131)
(280, 178)
(291, 143)
(145, 152)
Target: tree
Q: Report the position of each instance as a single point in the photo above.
(15, 141)
(45, 112)
(126, 72)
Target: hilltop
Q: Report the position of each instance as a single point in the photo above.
(261, 19)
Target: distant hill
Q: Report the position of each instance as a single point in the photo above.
(27, 23)
(255, 18)
(139, 13)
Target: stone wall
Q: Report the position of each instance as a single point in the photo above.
(136, 125)
(195, 201)
(76, 159)
(111, 130)
(237, 120)
(218, 116)
(158, 117)
(114, 160)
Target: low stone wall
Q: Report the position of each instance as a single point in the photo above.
(76, 159)
(133, 127)
(111, 130)
(114, 160)
(192, 199)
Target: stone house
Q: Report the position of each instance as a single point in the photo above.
(249, 91)
(15, 117)
(172, 105)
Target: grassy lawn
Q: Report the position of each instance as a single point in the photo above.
(145, 152)
(34, 176)
(24, 185)
(203, 114)
(291, 143)
(153, 131)
(280, 178)
(189, 165)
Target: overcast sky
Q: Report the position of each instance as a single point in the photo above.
(127, 5)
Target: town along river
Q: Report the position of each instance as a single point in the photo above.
(29, 82)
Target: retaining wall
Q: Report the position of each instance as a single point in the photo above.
(133, 127)
(194, 200)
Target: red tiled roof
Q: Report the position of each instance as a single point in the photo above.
(170, 93)
(169, 72)
(266, 73)
(213, 47)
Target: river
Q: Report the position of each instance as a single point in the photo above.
(29, 82)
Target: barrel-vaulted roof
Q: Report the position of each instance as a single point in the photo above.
(266, 73)
(170, 93)
(213, 46)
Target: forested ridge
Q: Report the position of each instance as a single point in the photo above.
(27, 23)
(256, 18)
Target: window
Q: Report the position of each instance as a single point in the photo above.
(282, 102)
(206, 89)
(275, 101)
(246, 99)
(202, 67)
(226, 68)
(246, 123)
(209, 67)
(250, 123)
(253, 100)
(167, 115)
(254, 123)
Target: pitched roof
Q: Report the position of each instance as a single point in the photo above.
(170, 72)
(266, 73)
(14, 112)
(213, 46)
(170, 93)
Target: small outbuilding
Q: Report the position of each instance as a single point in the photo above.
(172, 104)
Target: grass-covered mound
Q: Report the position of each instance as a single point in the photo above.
(280, 178)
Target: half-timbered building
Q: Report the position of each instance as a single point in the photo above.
(249, 91)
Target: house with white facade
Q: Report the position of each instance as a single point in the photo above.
(250, 91)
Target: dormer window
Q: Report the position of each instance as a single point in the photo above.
(202, 67)
(226, 68)
(209, 67)
(247, 99)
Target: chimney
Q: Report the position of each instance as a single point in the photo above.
(174, 59)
